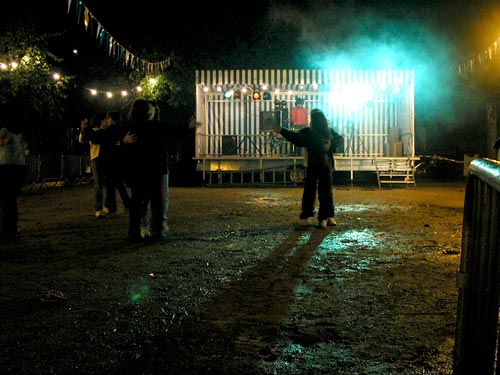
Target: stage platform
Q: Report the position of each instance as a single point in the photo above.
(290, 170)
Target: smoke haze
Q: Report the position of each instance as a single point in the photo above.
(352, 37)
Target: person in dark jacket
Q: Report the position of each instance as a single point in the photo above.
(320, 142)
(13, 172)
(172, 149)
(103, 135)
(114, 171)
(146, 149)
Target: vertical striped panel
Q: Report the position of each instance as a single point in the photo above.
(366, 129)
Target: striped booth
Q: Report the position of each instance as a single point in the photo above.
(372, 109)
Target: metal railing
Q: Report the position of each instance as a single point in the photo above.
(58, 169)
(476, 335)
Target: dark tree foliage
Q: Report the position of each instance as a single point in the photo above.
(29, 94)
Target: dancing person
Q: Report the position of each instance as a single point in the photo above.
(171, 147)
(103, 136)
(320, 142)
(96, 123)
(146, 147)
(114, 167)
(13, 173)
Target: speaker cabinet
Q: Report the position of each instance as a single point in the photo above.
(229, 145)
(269, 119)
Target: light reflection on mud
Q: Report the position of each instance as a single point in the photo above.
(339, 252)
(337, 242)
(354, 208)
(367, 207)
(272, 201)
(304, 239)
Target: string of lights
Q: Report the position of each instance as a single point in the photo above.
(56, 76)
(13, 66)
(111, 94)
(343, 93)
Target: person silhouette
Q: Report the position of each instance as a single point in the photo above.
(13, 173)
(320, 142)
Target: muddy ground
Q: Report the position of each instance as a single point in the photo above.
(236, 288)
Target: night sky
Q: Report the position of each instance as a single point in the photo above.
(465, 28)
(312, 26)
(430, 37)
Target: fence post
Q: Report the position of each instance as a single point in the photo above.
(478, 275)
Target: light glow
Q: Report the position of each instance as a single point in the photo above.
(352, 96)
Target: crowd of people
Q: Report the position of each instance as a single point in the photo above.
(129, 155)
(132, 155)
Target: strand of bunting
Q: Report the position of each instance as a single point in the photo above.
(481, 59)
(115, 49)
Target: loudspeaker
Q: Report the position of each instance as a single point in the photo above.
(229, 145)
(269, 119)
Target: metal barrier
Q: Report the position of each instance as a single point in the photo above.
(478, 276)
(57, 169)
